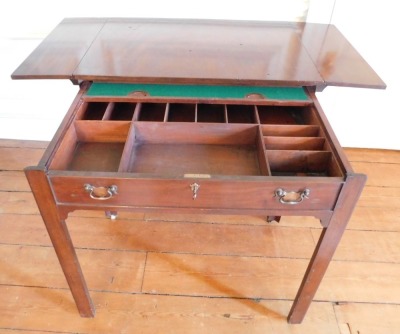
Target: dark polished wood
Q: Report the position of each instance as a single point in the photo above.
(247, 155)
(199, 51)
(60, 53)
(193, 51)
(337, 61)
(61, 240)
(328, 241)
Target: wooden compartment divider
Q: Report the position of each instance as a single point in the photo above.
(199, 112)
(294, 143)
(299, 163)
(128, 148)
(109, 111)
(100, 131)
(166, 114)
(122, 111)
(289, 139)
(290, 130)
(262, 154)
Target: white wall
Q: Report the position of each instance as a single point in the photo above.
(33, 109)
(368, 117)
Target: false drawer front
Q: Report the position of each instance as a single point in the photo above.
(196, 193)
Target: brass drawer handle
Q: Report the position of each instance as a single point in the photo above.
(101, 193)
(291, 197)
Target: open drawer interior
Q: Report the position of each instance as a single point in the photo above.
(95, 146)
(175, 139)
(298, 150)
(166, 149)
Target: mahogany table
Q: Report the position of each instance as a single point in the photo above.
(197, 116)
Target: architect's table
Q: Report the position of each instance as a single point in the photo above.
(197, 116)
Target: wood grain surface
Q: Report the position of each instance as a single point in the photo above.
(199, 51)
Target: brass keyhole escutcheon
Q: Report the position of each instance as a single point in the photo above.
(195, 189)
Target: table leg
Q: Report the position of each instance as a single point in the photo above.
(271, 219)
(326, 246)
(61, 240)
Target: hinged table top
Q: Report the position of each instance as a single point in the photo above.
(184, 51)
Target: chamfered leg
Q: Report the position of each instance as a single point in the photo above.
(326, 246)
(61, 240)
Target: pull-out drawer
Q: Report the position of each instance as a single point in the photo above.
(196, 155)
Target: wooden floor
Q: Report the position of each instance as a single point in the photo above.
(152, 273)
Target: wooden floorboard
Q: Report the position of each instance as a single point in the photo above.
(159, 273)
(368, 318)
(53, 310)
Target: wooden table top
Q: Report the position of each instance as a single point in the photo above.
(198, 51)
